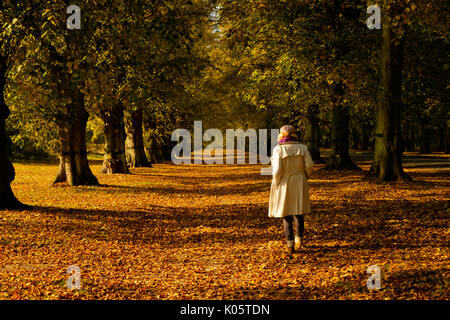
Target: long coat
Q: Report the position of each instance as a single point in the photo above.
(291, 166)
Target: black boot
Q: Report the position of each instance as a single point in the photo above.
(290, 251)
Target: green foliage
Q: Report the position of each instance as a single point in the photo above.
(230, 63)
(94, 131)
(289, 55)
(141, 54)
(279, 57)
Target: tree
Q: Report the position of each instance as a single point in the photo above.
(7, 173)
(114, 130)
(134, 144)
(10, 40)
(387, 163)
(107, 87)
(313, 133)
(73, 168)
(293, 55)
(64, 54)
(400, 20)
(426, 92)
(339, 157)
(177, 39)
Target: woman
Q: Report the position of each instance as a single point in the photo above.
(289, 194)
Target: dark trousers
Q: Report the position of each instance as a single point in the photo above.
(288, 227)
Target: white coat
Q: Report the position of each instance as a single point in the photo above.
(289, 193)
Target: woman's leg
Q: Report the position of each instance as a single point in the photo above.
(288, 232)
(299, 225)
(299, 229)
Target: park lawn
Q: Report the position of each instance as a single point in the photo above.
(202, 232)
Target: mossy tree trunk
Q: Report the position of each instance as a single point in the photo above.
(7, 173)
(444, 146)
(409, 136)
(134, 143)
(388, 153)
(313, 133)
(339, 157)
(114, 130)
(365, 139)
(426, 133)
(73, 163)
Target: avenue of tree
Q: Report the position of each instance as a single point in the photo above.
(139, 69)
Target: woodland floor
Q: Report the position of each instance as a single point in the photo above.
(202, 232)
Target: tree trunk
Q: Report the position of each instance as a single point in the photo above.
(313, 133)
(340, 158)
(134, 144)
(425, 136)
(443, 140)
(365, 137)
(356, 136)
(7, 173)
(409, 136)
(160, 149)
(425, 142)
(387, 162)
(73, 163)
(114, 130)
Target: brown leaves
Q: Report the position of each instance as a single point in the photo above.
(202, 232)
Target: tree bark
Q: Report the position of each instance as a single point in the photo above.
(340, 158)
(134, 144)
(7, 173)
(114, 130)
(313, 133)
(355, 137)
(387, 162)
(443, 140)
(425, 135)
(409, 136)
(365, 137)
(73, 163)
(160, 149)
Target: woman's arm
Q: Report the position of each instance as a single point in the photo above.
(277, 170)
(309, 164)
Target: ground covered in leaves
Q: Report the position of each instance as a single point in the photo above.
(202, 232)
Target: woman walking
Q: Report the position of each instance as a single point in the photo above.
(289, 193)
